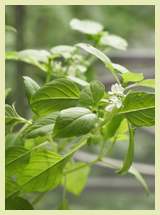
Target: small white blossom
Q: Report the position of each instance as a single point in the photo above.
(116, 89)
(114, 102)
(110, 107)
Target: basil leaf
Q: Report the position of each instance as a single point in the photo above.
(12, 118)
(15, 160)
(11, 186)
(132, 77)
(31, 86)
(81, 83)
(92, 93)
(76, 177)
(97, 53)
(130, 153)
(54, 96)
(120, 68)
(74, 121)
(139, 108)
(42, 126)
(147, 83)
(38, 58)
(110, 129)
(86, 26)
(113, 41)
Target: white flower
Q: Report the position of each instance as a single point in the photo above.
(116, 89)
(110, 107)
(114, 102)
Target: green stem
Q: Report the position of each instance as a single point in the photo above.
(23, 128)
(111, 69)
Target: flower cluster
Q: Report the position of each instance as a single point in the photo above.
(115, 99)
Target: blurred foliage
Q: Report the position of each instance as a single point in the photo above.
(46, 26)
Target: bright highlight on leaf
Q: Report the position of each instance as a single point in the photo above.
(114, 41)
(97, 53)
(86, 26)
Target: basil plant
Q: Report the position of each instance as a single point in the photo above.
(70, 114)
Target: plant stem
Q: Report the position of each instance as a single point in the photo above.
(111, 69)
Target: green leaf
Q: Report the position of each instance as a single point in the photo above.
(11, 55)
(35, 57)
(110, 129)
(10, 186)
(18, 203)
(12, 118)
(74, 121)
(81, 83)
(147, 83)
(122, 130)
(130, 153)
(16, 159)
(132, 77)
(63, 50)
(97, 53)
(76, 177)
(120, 68)
(92, 93)
(113, 41)
(54, 96)
(42, 126)
(139, 108)
(86, 26)
(44, 171)
(31, 86)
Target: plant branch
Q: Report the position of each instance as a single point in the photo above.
(113, 163)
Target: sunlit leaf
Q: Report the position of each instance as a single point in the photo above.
(132, 77)
(76, 177)
(97, 53)
(139, 108)
(147, 83)
(130, 153)
(31, 86)
(114, 41)
(35, 57)
(86, 26)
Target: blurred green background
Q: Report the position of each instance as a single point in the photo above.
(43, 27)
